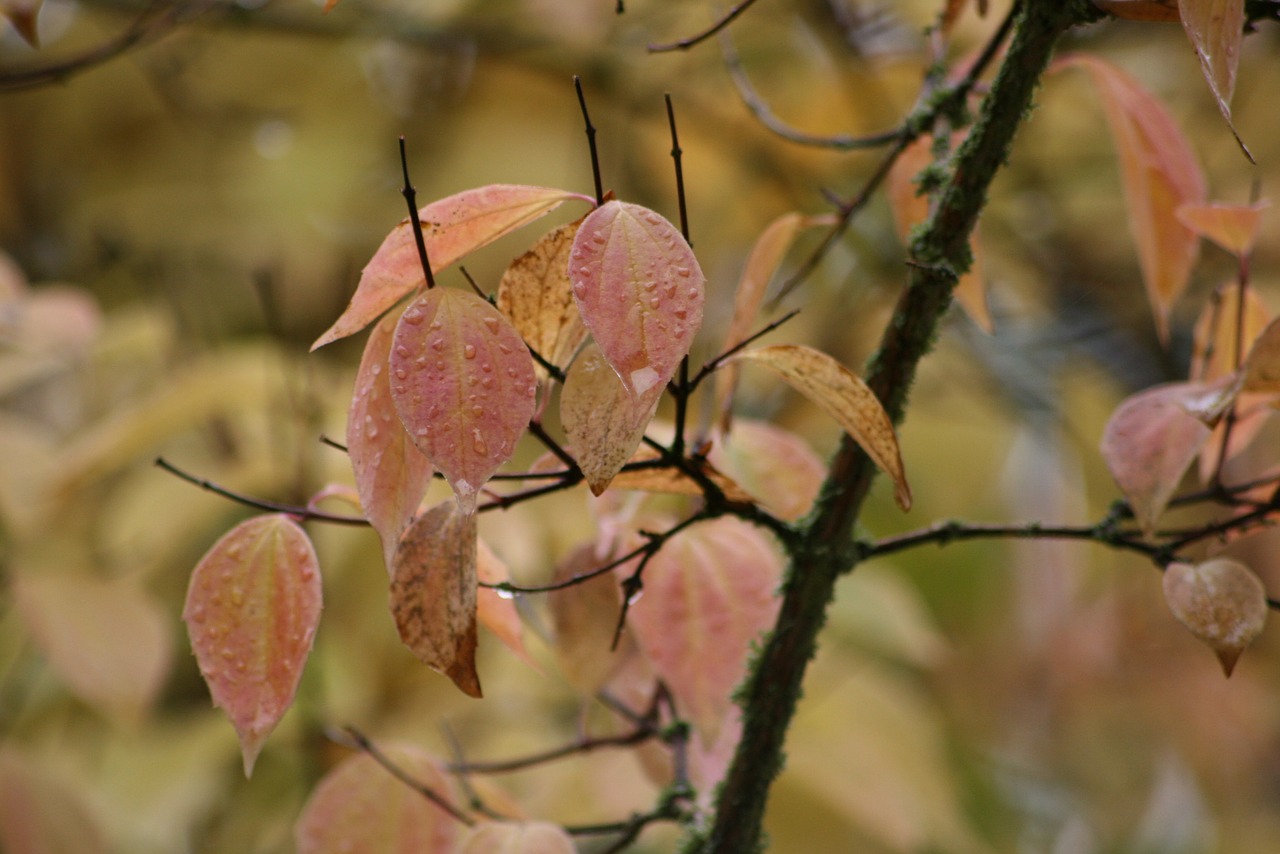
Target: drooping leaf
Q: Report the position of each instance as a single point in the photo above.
(433, 593)
(497, 612)
(535, 294)
(108, 640)
(1165, 11)
(1262, 366)
(1221, 601)
(1233, 227)
(584, 617)
(602, 418)
(774, 465)
(1160, 174)
(640, 292)
(910, 209)
(1216, 344)
(845, 397)
(23, 14)
(518, 837)
(392, 475)
(763, 261)
(360, 807)
(708, 593)
(462, 381)
(252, 610)
(1149, 442)
(451, 227)
(1216, 29)
(42, 814)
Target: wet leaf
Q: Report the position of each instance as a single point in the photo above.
(1216, 29)
(603, 420)
(109, 640)
(1262, 366)
(433, 593)
(360, 807)
(523, 837)
(1221, 601)
(463, 384)
(845, 397)
(252, 610)
(774, 465)
(452, 227)
(762, 264)
(40, 814)
(391, 474)
(536, 296)
(708, 593)
(496, 612)
(1149, 442)
(1160, 174)
(1233, 227)
(640, 291)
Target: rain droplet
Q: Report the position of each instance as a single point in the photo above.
(682, 272)
(401, 374)
(478, 445)
(487, 382)
(477, 411)
(511, 372)
(491, 323)
(402, 351)
(420, 362)
(635, 597)
(504, 593)
(197, 614)
(375, 368)
(233, 551)
(469, 352)
(423, 432)
(371, 431)
(413, 316)
(654, 302)
(504, 347)
(650, 285)
(437, 344)
(597, 238)
(486, 367)
(681, 313)
(435, 325)
(580, 288)
(694, 293)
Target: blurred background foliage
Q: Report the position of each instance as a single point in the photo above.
(183, 220)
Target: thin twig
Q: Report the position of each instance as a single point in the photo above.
(725, 20)
(361, 742)
(415, 221)
(261, 503)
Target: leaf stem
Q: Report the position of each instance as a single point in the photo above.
(411, 198)
(724, 20)
(591, 141)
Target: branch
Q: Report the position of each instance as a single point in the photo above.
(260, 503)
(725, 20)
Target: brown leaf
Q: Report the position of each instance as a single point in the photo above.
(359, 807)
(846, 398)
(1262, 366)
(536, 295)
(1160, 174)
(252, 610)
(1221, 601)
(433, 593)
(518, 837)
(391, 474)
(23, 15)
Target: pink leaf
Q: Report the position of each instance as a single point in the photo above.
(1149, 442)
(602, 418)
(640, 291)
(536, 295)
(845, 397)
(775, 466)
(708, 593)
(463, 383)
(433, 593)
(1221, 602)
(522, 837)
(108, 640)
(497, 612)
(360, 807)
(1160, 174)
(1216, 29)
(252, 611)
(392, 475)
(452, 227)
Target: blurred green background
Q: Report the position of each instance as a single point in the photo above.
(183, 220)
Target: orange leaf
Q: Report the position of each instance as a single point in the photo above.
(708, 593)
(602, 418)
(1233, 227)
(640, 291)
(433, 593)
(109, 640)
(845, 397)
(252, 611)
(584, 617)
(359, 806)
(463, 383)
(1215, 338)
(452, 227)
(496, 611)
(774, 465)
(536, 295)
(1160, 174)
(1221, 601)
(673, 481)
(1149, 442)
(392, 475)
(1216, 29)
(1262, 366)
(766, 256)
(523, 837)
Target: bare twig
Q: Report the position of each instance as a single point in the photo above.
(725, 20)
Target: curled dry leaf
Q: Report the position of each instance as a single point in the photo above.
(708, 593)
(391, 474)
(535, 294)
(640, 292)
(1148, 444)
(497, 612)
(1221, 601)
(451, 228)
(774, 465)
(518, 837)
(1160, 174)
(252, 610)
(360, 806)
(603, 420)
(1233, 227)
(433, 593)
(845, 397)
(463, 384)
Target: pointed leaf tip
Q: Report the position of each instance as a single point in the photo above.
(252, 609)
(1221, 602)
